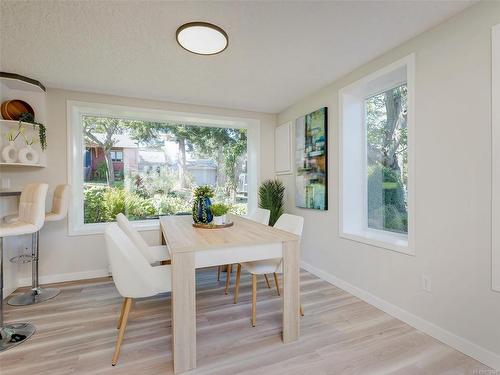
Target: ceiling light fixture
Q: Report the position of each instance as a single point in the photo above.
(202, 38)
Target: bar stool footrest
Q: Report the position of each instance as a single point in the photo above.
(34, 296)
(23, 258)
(14, 334)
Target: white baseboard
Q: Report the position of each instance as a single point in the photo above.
(459, 343)
(62, 277)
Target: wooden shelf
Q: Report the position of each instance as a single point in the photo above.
(14, 86)
(22, 165)
(19, 82)
(14, 123)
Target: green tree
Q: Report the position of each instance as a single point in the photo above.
(386, 119)
(108, 127)
(152, 132)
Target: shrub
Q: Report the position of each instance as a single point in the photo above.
(101, 170)
(386, 200)
(102, 204)
(238, 209)
(219, 209)
(171, 205)
(130, 204)
(93, 209)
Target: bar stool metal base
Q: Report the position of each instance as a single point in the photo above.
(34, 296)
(15, 334)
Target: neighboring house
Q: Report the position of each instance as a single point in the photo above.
(123, 156)
(127, 155)
(150, 159)
(203, 171)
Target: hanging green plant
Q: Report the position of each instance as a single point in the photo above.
(30, 119)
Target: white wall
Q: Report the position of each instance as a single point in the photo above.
(453, 191)
(64, 257)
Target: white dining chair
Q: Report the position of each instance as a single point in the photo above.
(60, 203)
(133, 276)
(290, 223)
(153, 254)
(260, 215)
(30, 220)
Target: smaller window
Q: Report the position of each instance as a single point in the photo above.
(376, 201)
(387, 160)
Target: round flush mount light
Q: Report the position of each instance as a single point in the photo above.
(202, 38)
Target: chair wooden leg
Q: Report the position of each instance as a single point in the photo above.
(254, 299)
(228, 276)
(301, 310)
(267, 281)
(218, 273)
(121, 333)
(237, 285)
(277, 284)
(121, 314)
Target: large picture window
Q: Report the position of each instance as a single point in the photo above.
(376, 183)
(145, 168)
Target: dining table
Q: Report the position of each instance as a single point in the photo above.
(191, 248)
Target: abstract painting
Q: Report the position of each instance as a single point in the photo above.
(311, 187)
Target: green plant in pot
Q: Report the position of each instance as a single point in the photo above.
(219, 211)
(271, 196)
(42, 136)
(201, 204)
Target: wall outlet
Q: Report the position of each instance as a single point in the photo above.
(426, 283)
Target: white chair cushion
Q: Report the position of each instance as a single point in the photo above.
(134, 236)
(263, 266)
(10, 219)
(161, 278)
(286, 222)
(60, 203)
(260, 215)
(133, 276)
(17, 228)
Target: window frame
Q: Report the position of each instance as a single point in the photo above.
(495, 157)
(356, 94)
(76, 150)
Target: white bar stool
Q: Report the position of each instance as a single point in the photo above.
(31, 219)
(36, 294)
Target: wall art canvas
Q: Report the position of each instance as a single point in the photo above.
(311, 159)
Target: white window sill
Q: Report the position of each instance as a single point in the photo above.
(385, 240)
(98, 228)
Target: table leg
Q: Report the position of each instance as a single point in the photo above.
(183, 312)
(291, 291)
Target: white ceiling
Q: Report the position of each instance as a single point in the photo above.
(278, 51)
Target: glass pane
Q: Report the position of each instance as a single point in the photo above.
(157, 167)
(387, 160)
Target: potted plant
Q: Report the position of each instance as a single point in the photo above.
(201, 204)
(271, 194)
(219, 210)
(42, 133)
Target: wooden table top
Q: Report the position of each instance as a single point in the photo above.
(181, 236)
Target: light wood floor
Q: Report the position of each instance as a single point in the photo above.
(340, 334)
